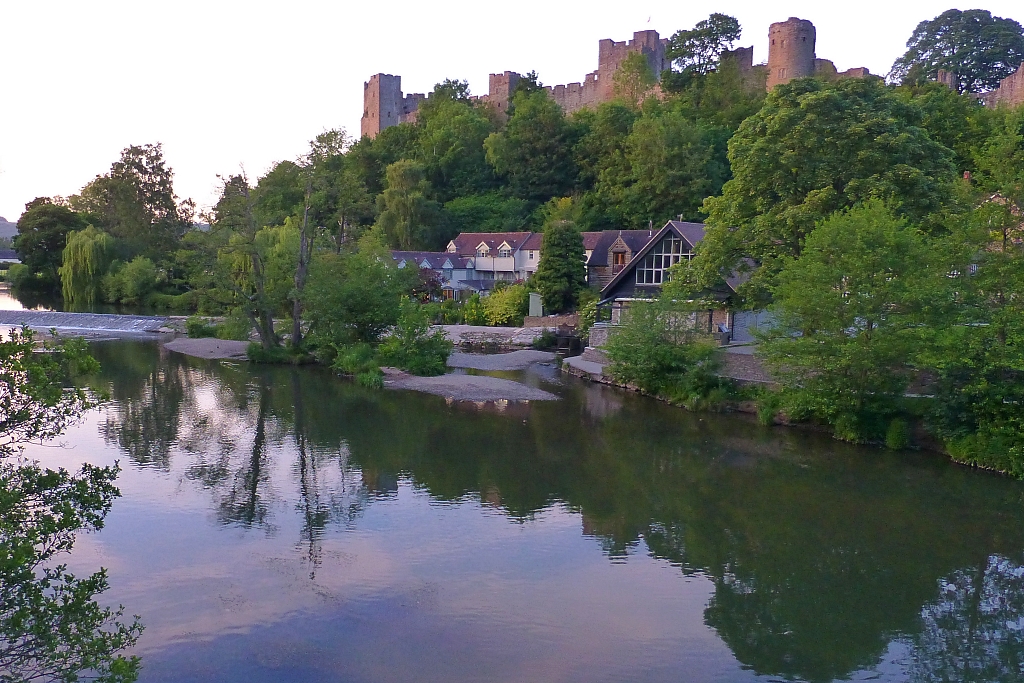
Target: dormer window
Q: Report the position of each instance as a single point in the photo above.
(482, 250)
(504, 253)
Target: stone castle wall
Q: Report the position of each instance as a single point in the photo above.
(1010, 92)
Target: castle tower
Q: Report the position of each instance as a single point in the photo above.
(382, 104)
(790, 51)
(500, 88)
(610, 55)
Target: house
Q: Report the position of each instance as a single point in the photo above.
(642, 275)
(455, 273)
(508, 256)
(608, 251)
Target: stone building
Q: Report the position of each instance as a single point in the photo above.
(791, 54)
(1010, 91)
(385, 106)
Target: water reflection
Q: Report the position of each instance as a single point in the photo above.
(822, 557)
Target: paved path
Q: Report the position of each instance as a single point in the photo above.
(45, 320)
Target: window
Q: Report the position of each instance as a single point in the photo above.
(663, 256)
(481, 251)
(504, 253)
(531, 255)
(619, 258)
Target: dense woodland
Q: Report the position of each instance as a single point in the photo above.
(879, 220)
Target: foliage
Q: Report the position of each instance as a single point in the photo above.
(196, 327)
(130, 283)
(52, 626)
(407, 218)
(849, 316)
(978, 50)
(633, 79)
(533, 154)
(42, 235)
(452, 148)
(474, 312)
(507, 306)
(659, 350)
(135, 202)
(700, 49)
(275, 355)
(85, 260)
(353, 297)
(562, 273)
(490, 212)
(545, 340)
(815, 148)
(413, 346)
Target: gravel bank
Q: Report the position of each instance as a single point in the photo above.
(516, 360)
(466, 387)
(208, 347)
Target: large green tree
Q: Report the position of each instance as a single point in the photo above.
(817, 147)
(42, 235)
(561, 274)
(848, 319)
(408, 217)
(978, 50)
(534, 152)
(699, 50)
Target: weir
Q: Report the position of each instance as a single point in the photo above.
(106, 322)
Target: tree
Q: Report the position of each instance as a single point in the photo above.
(659, 350)
(452, 148)
(406, 216)
(562, 272)
(634, 79)
(849, 315)
(42, 235)
(816, 148)
(85, 261)
(534, 152)
(978, 49)
(699, 49)
(135, 202)
(51, 626)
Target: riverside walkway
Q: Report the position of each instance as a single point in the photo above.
(91, 322)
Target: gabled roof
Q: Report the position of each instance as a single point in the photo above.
(434, 260)
(8, 255)
(692, 234)
(599, 242)
(466, 243)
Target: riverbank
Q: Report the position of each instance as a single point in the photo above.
(209, 348)
(466, 387)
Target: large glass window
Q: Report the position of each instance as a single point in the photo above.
(663, 256)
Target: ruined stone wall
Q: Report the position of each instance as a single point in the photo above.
(790, 51)
(1010, 91)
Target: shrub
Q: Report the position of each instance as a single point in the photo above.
(897, 437)
(450, 313)
(372, 379)
(546, 340)
(272, 356)
(236, 326)
(768, 405)
(473, 312)
(507, 306)
(130, 283)
(658, 350)
(197, 327)
(413, 347)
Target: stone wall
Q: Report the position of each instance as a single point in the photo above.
(1010, 92)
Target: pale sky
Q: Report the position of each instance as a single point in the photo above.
(224, 84)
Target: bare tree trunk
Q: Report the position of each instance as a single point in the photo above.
(300, 276)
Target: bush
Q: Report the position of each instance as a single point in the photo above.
(272, 356)
(450, 313)
(768, 405)
(658, 351)
(473, 312)
(413, 347)
(372, 379)
(197, 327)
(236, 326)
(355, 359)
(546, 340)
(130, 283)
(897, 437)
(19, 275)
(507, 306)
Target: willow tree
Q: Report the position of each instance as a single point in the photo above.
(85, 261)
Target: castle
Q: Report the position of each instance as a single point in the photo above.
(791, 54)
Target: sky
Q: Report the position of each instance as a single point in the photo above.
(227, 84)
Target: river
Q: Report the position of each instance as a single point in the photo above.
(281, 524)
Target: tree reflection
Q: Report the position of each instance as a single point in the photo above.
(821, 554)
(974, 631)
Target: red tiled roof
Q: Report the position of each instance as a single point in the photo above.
(467, 242)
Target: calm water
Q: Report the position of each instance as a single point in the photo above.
(283, 525)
